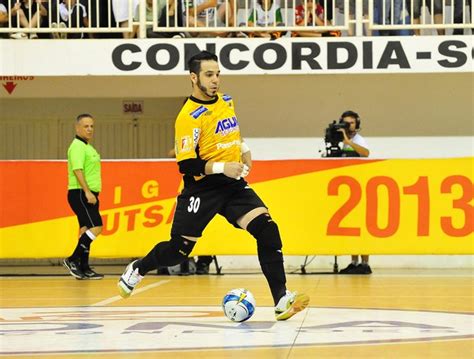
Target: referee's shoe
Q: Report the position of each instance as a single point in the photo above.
(74, 268)
(90, 274)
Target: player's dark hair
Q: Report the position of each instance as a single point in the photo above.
(194, 62)
(83, 115)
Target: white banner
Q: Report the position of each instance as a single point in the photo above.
(346, 55)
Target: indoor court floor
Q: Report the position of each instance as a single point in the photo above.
(389, 314)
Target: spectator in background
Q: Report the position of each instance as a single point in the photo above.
(304, 17)
(414, 7)
(3, 14)
(352, 4)
(211, 13)
(266, 13)
(28, 14)
(100, 18)
(459, 11)
(4, 20)
(327, 6)
(385, 15)
(72, 14)
(170, 17)
(354, 145)
(120, 9)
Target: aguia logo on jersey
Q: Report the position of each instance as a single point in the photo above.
(227, 125)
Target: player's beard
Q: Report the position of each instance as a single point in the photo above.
(205, 90)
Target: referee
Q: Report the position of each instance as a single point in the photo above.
(214, 161)
(84, 185)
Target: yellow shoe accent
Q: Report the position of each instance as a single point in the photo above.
(299, 303)
(123, 293)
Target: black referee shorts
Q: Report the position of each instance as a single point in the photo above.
(87, 214)
(196, 208)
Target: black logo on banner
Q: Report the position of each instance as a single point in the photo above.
(338, 55)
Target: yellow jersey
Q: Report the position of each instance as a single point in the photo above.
(208, 130)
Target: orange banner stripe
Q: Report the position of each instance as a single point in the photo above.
(33, 191)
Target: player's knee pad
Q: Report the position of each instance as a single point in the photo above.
(174, 251)
(268, 238)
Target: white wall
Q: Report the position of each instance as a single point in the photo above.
(381, 147)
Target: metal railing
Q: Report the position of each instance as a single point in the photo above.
(412, 15)
(25, 16)
(222, 17)
(228, 16)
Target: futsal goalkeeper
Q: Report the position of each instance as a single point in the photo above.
(214, 161)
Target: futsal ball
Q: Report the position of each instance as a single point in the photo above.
(238, 305)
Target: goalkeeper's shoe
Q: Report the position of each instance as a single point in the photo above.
(290, 304)
(129, 280)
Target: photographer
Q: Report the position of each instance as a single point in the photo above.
(352, 140)
(346, 130)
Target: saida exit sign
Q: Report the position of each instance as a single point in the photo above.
(132, 107)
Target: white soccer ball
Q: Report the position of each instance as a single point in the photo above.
(238, 304)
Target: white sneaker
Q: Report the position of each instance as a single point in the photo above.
(290, 304)
(18, 36)
(128, 281)
(54, 33)
(62, 35)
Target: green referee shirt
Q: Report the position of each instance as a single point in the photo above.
(82, 156)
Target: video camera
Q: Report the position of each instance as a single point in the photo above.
(333, 137)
